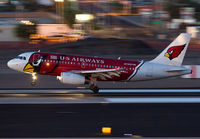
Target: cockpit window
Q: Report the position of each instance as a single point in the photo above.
(21, 57)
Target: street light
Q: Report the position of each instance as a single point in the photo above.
(60, 10)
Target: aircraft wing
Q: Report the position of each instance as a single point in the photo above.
(100, 73)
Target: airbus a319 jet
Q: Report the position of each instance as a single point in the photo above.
(72, 69)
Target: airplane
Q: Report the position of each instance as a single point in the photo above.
(81, 70)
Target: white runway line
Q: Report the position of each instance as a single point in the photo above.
(154, 100)
(45, 91)
(95, 100)
(149, 90)
(83, 91)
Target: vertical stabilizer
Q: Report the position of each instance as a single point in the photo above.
(175, 52)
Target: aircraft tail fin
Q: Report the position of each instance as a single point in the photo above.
(175, 52)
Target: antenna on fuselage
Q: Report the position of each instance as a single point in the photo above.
(119, 58)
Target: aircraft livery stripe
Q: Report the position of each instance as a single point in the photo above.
(135, 71)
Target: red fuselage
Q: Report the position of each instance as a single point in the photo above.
(55, 64)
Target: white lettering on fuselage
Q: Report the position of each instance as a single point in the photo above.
(53, 57)
(77, 59)
(129, 64)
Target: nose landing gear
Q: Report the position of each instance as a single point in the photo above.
(34, 78)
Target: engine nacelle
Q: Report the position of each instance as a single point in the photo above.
(72, 78)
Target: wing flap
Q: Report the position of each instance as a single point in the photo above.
(101, 73)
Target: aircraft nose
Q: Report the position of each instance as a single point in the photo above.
(11, 64)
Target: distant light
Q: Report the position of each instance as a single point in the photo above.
(47, 64)
(27, 22)
(59, 0)
(84, 17)
(106, 130)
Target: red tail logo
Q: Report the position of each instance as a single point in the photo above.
(174, 51)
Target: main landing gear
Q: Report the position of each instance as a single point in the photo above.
(93, 86)
(34, 78)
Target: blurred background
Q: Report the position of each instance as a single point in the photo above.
(130, 29)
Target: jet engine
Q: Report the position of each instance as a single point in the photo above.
(72, 78)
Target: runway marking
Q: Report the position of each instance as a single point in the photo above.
(150, 91)
(101, 100)
(84, 91)
(154, 100)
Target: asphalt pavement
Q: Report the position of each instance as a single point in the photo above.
(87, 120)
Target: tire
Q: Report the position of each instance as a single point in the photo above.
(33, 83)
(94, 88)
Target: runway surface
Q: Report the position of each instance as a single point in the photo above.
(87, 120)
(84, 114)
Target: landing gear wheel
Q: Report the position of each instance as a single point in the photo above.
(94, 88)
(33, 83)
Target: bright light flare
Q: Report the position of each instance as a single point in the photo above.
(84, 17)
(27, 22)
(59, 77)
(59, 0)
(47, 64)
(34, 77)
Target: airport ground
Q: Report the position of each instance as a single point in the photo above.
(87, 120)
